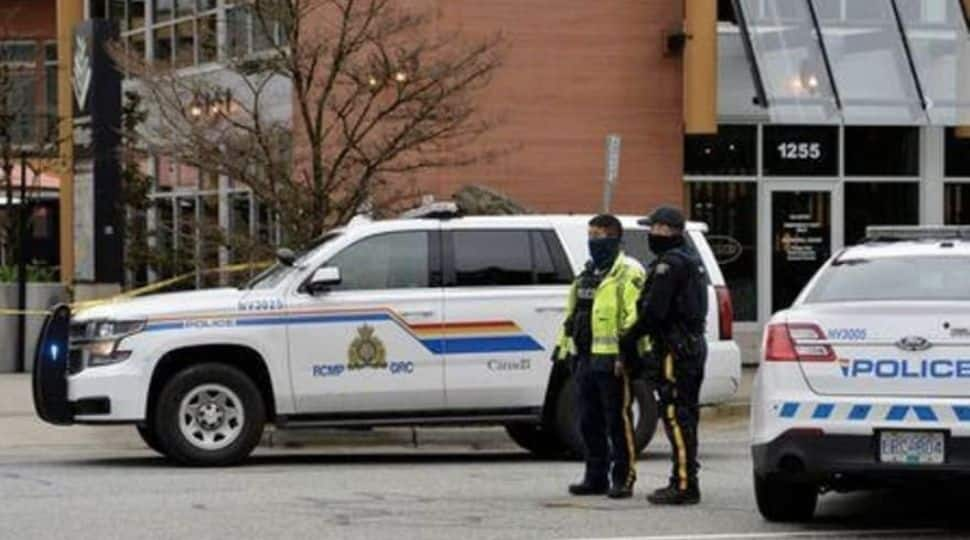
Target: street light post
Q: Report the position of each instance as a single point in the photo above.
(22, 243)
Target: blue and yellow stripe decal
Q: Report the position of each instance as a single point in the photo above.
(467, 337)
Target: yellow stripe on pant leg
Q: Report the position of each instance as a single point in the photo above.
(628, 430)
(678, 441)
(681, 448)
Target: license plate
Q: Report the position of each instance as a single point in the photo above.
(912, 447)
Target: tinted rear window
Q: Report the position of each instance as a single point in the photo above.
(897, 278)
(635, 244)
(485, 258)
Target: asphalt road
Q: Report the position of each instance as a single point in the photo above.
(443, 488)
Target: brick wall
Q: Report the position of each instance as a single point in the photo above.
(574, 71)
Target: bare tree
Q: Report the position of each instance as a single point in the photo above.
(378, 95)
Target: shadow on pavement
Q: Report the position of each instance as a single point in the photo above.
(303, 458)
(925, 507)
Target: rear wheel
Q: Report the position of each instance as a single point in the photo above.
(784, 501)
(150, 438)
(209, 415)
(536, 438)
(644, 408)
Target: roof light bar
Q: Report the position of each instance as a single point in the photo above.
(899, 233)
(433, 210)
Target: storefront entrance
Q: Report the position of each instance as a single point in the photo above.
(800, 236)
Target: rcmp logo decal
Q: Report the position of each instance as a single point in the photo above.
(366, 350)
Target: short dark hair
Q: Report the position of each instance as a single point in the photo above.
(608, 222)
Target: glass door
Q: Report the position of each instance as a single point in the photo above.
(800, 236)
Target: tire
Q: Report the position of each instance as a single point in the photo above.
(228, 422)
(783, 501)
(540, 441)
(645, 415)
(150, 438)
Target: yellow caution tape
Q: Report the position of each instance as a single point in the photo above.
(24, 312)
(147, 289)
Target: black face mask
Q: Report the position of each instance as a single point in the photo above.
(662, 244)
(603, 251)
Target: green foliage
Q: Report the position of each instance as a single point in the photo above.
(36, 273)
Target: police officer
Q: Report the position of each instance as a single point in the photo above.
(672, 311)
(601, 307)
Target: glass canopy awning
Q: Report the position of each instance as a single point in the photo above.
(859, 62)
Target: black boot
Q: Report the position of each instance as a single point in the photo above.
(588, 488)
(671, 495)
(620, 491)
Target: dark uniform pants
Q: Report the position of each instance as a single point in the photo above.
(679, 392)
(606, 422)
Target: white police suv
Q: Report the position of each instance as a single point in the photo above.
(442, 320)
(865, 380)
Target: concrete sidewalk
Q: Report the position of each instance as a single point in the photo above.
(21, 429)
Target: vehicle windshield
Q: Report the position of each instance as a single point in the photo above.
(893, 278)
(274, 275)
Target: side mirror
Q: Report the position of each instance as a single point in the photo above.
(324, 278)
(285, 256)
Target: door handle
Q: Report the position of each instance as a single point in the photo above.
(550, 309)
(417, 313)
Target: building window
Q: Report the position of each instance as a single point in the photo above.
(185, 44)
(136, 14)
(957, 160)
(207, 39)
(801, 151)
(730, 210)
(164, 9)
(732, 152)
(956, 204)
(725, 11)
(898, 153)
(163, 45)
(184, 8)
(878, 203)
(246, 34)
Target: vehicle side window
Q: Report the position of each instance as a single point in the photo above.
(552, 265)
(387, 261)
(635, 244)
(483, 258)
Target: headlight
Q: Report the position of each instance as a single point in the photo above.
(101, 340)
(117, 329)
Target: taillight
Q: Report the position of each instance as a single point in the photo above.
(725, 313)
(796, 342)
(779, 346)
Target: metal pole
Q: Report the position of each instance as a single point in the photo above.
(22, 267)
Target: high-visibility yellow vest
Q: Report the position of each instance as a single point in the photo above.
(614, 308)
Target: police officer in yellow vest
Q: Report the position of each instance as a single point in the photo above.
(602, 306)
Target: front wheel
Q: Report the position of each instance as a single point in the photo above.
(149, 437)
(784, 501)
(209, 415)
(644, 408)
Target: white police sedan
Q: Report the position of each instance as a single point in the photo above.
(865, 380)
